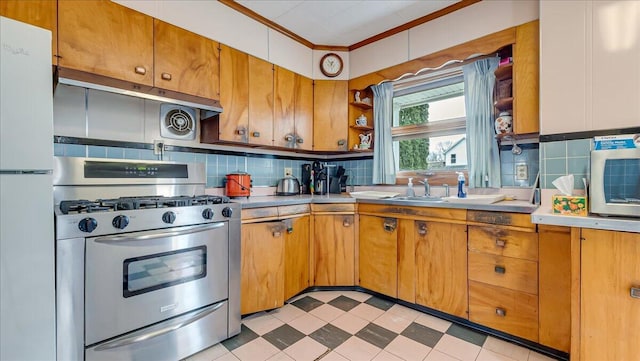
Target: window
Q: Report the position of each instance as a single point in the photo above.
(429, 126)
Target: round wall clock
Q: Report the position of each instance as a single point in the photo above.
(331, 65)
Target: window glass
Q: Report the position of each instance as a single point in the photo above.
(429, 125)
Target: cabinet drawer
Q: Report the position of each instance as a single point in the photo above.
(506, 310)
(504, 242)
(512, 273)
(521, 220)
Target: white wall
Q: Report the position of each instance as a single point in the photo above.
(485, 17)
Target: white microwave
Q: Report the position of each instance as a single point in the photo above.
(615, 182)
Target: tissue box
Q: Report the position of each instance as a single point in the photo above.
(569, 205)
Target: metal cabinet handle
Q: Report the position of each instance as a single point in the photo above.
(289, 230)
(165, 76)
(635, 292)
(277, 233)
(288, 138)
(140, 70)
(300, 140)
(500, 269)
(346, 222)
(501, 312)
(256, 134)
(342, 142)
(160, 329)
(390, 224)
(500, 242)
(241, 131)
(422, 228)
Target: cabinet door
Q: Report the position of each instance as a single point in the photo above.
(284, 114)
(262, 267)
(104, 38)
(296, 251)
(555, 287)
(234, 95)
(406, 261)
(441, 267)
(330, 112)
(609, 314)
(303, 112)
(334, 253)
(185, 62)
(378, 254)
(260, 101)
(526, 79)
(41, 13)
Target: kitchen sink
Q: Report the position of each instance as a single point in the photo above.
(419, 199)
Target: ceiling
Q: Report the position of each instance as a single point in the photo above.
(342, 22)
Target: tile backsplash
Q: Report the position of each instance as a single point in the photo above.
(565, 157)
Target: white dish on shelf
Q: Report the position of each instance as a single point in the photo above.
(373, 195)
(476, 199)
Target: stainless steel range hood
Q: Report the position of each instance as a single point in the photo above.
(81, 79)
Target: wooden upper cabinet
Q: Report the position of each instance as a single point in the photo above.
(284, 127)
(260, 101)
(234, 95)
(330, 112)
(185, 62)
(303, 112)
(104, 38)
(41, 13)
(526, 79)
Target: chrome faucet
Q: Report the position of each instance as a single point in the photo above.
(446, 190)
(427, 188)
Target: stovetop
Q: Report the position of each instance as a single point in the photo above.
(139, 202)
(83, 218)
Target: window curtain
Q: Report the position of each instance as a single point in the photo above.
(482, 146)
(384, 171)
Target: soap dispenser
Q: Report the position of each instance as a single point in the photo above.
(410, 191)
(461, 193)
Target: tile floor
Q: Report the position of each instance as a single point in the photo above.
(355, 326)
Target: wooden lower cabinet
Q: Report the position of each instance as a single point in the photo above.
(609, 311)
(378, 254)
(554, 293)
(296, 255)
(506, 310)
(441, 266)
(334, 250)
(262, 266)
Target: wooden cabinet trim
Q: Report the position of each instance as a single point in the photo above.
(451, 215)
(333, 207)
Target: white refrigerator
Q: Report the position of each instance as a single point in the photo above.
(27, 271)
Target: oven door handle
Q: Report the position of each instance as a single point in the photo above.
(160, 329)
(173, 232)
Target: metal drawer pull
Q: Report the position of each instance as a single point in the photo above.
(256, 134)
(140, 70)
(501, 312)
(300, 140)
(160, 329)
(342, 142)
(422, 229)
(171, 232)
(241, 131)
(277, 233)
(165, 76)
(635, 292)
(346, 222)
(390, 224)
(499, 269)
(500, 242)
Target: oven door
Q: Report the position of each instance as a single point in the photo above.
(136, 279)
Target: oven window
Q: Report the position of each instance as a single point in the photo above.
(156, 271)
(621, 180)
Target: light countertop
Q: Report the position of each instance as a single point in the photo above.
(543, 215)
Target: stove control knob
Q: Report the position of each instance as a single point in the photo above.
(227, 212)
(207, 213)
(88, 224)
(168, 217)
(120, 222)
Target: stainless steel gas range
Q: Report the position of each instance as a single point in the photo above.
(147, 267)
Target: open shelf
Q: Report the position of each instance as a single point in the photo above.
(504, 104)
(361, 105)
(361, 127)
(362, 150)
(504, 72)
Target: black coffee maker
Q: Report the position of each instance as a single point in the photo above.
(338, 183)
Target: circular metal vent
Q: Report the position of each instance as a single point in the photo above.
(179, 122)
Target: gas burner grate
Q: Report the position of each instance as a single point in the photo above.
(82, 206)
(138, 202)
